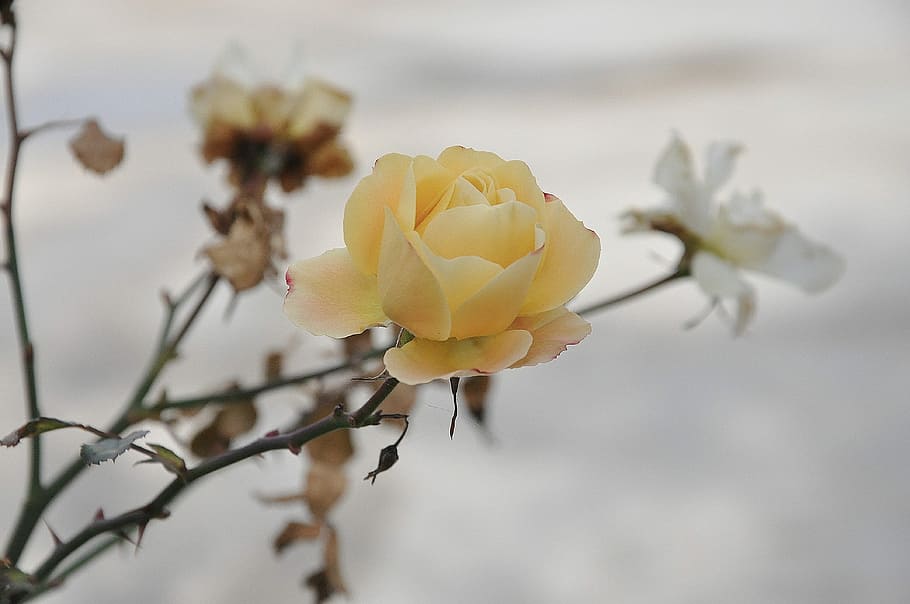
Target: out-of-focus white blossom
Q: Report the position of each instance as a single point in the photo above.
(740, 233)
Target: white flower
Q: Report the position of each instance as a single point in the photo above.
(720, 238)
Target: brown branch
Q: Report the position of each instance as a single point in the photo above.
(366, 415)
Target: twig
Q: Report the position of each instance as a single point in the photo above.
(679, 273)
(238, 395)
(366, 415)
(35, 490)
(34, 507)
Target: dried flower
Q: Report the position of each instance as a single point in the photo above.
(267, 132)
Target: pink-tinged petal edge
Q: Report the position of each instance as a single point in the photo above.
(553, 332)
(327, 295)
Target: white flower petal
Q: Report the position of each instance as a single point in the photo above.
(720, 279)
(675, 173)
(811, 266)
(720, 160)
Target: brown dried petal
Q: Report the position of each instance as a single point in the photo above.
(95, 149)
(332, 566)
(274, 363)
(325, 484)
(330, 160)
(236, 419)
(242, 258)
(209, 442)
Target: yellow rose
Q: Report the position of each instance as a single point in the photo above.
(465, 252)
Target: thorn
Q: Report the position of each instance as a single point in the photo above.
(272, 433)
(453, 382)
(57, 540)
(139, 536)
(99, 515)
(295, 449)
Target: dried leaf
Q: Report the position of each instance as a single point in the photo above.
(475, 390)
(236, 418)
(35, 426)
(274, 363)
(95, 149)
(244, 257)
(167, 458)
(334, 448)
(332, 566)
(325, 484)
(280, 499)
(319, 583)
(209, 442)
(357, 345)
(108, 448)
(294, 532)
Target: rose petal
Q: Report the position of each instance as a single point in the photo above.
(420, 361)
(720, 160)
(461, 159)
(675, 174)
(496, 305)
(410, 293)
(327, 295)
(570, 258)
(811, 266)
(391, 185)
(553, 331)
(222, 99)
(502, 233)
(720, 279)
(516, 176)
(434, 183)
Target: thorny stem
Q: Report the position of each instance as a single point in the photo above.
(238, 395)
(165, 352)
(35, 490)
(366, 415)
(679, 273)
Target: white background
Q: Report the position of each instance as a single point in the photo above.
(649, 464)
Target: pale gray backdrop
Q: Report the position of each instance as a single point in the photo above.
(647, 465)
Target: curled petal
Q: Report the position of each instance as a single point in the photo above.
(319, 105)
(810, 266)
(462, 159)
(675, 174)
(516, 176)
(553, 331)
(720, 279)
(391, 185)
(720, 160)
(224, 100)
(410, 293)
(502, 233)
(570, 259)
(420, 361)
(495, 306)
(327, 295)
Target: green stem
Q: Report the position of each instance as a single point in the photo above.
(366, 415)
(238, 395)
(166, 351)
(604, 304)
(34, 491)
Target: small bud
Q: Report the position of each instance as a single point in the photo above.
(387, 458)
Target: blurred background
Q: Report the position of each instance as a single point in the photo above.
(649, 464)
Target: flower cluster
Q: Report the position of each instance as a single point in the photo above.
(272, 132)
(720, 238)
(465, 253)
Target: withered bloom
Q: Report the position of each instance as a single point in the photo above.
(253, 237)
(267, 132)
